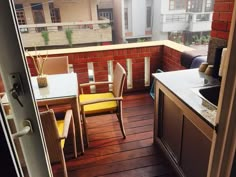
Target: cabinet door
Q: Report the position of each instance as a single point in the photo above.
(195, 151)
(172, 120)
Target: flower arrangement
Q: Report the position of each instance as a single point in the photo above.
(39, 62)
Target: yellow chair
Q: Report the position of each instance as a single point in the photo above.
(104, 102)
(55, 133)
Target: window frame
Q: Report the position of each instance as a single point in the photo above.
(126, 18)
(177, 4)
(148, 19)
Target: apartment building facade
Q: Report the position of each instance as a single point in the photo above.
(105, 9)
(132, 20)
(178, 20)
(61, 23)
(181, 20)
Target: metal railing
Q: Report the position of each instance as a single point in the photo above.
(186, 17)
(61, 34)
(93, 25)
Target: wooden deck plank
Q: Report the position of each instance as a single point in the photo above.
(110, 155)
(117, 133)
(115, 140)
(111, 120)
(141, 110)
(117, 167)
(115, 157)
(135, 103)
(89, 161)
(150, 171)
(119, 148)
(116, 127)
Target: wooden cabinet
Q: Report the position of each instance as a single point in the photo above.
(195, 151)
(182, 134)
(171, 134)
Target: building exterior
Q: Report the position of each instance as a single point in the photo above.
(105, 9)
(132, 20)
(178, 20)
(61, 23)
(182, 21)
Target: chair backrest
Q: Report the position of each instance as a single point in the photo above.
(56, 65)
(119, 80)
(51, 135)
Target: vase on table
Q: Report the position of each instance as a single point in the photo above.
(42, 81)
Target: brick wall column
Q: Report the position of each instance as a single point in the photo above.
(223, 10)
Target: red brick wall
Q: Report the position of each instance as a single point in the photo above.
(100, 58)
(222, 16)
(161, 57)
(171, 59)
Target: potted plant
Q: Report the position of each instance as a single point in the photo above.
(45, 37)
(69, 36)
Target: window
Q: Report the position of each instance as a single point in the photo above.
(20, 14)
(21, 17)
(170, 18)
(194, 6)
(37, 6)
(148, 17)
(126, 19)
(107, 13)
(209, 6)
(37, 10)
(176, 4)
(55, 13)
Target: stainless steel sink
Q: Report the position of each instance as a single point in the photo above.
(210, 94)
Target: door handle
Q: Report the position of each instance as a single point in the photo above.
(27, 129)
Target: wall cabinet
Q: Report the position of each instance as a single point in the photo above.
(183, 136)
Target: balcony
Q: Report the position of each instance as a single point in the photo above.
(193, 22)
(80, 32)
(108, 153)
(200, 22)
(140, 60)
(174, 22)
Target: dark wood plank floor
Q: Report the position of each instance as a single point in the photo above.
(111, 155)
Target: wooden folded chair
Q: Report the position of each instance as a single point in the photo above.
(104, 102)
(55, 65)
(55, 133)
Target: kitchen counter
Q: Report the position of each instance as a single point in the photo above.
(183, 83)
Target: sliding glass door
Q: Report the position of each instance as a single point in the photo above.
(28, 155)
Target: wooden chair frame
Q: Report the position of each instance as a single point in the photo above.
(118, 84)
(56, 65)
(53, 139)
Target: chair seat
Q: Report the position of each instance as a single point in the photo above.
(98, 107)
(60, 126)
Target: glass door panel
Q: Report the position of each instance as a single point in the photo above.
(27, 153)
